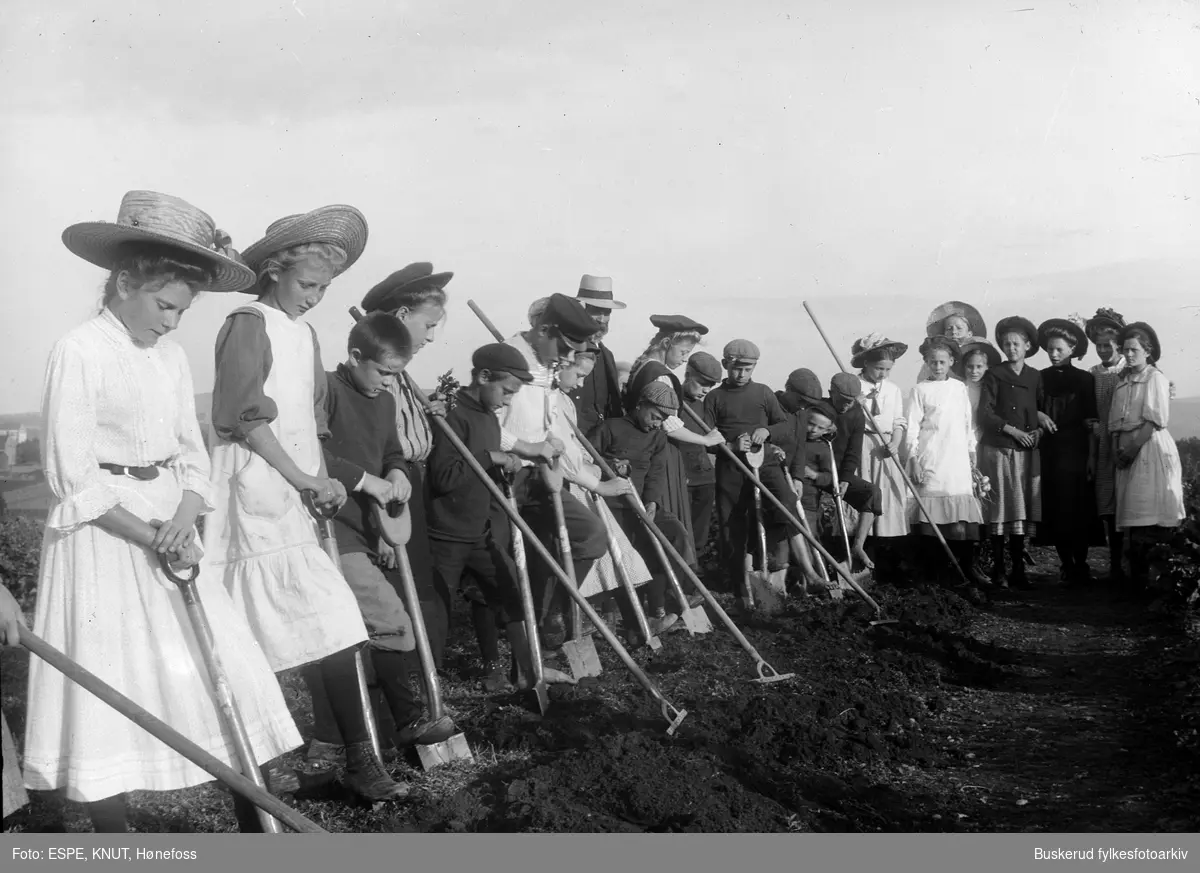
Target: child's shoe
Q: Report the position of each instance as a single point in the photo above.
(366, 777)
(426, 732)
(665, 623)
(322, 756)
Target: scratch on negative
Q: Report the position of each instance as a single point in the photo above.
(298, 9)
(1062, 97)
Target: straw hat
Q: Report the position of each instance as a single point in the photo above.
(150, 217)
(934, 325)
(338, 225)
(1075, 330)
(1153, 354)
(597, 291)
(863, 346)
(387, 294)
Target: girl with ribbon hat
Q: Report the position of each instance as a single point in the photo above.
(875, 355)
(1149, 477)
(267, 419)
(1068, 449)
(126, 462)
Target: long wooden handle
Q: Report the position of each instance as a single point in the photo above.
(532, 539)
(163, 732)
(487, 322)
(899, 467)
(778, 504)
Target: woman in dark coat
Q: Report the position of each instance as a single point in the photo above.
(1067, 414)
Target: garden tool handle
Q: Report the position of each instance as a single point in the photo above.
(165, 563)
(487, 322)
(870, 419)
(791, 517)
(170, 737)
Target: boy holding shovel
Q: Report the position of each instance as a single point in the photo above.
(468, 530)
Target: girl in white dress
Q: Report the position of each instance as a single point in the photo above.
(268, 414)
(941, 454)
(875, 356)
(126, 462)
(1149, 477)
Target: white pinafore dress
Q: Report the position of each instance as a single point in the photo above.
(105, 602)
(886, 404)
(260, 539)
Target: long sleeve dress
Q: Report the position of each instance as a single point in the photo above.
(1150, 490)
(885, 404)
(105, 602)
(1106, 379)
(260, 539)
(1068, 498)
(939, 442)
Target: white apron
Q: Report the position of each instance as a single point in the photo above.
(261, 540)
(893, 494)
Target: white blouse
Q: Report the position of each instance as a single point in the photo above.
(111, 400)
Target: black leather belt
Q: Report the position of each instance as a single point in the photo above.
(145, 474)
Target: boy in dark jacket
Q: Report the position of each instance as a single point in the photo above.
(748, 415)
(362, 451)
(635, 446)
(468, 530)
(703, 373)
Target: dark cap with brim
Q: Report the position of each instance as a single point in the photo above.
(706, 368)
(501, 358)
(741, 351)
(573, 323)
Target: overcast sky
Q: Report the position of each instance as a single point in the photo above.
(721, 160)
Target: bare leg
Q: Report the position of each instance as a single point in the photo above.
(865, 521)
(799, 549)
(522, 674)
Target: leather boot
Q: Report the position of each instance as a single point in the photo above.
(366, 777)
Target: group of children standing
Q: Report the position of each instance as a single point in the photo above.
(132, 478)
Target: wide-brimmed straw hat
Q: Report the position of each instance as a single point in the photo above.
(387, 295)
(150, 217)
(935, 324)
(338, 225)
(1152, 354)
(597, 291)
(873, 342)
(980, 344)
(1104, 319)
(1075, 330)
(1020, 325)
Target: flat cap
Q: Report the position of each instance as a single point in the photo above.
(706, 367)
(825, 408)
(846, 384)
(677, 324)
(501, 358)
(805, 383)
(741, 350)
(661, 395)
(389, 294)
(573, 323)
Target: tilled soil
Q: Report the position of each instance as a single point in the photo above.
(1057, 709)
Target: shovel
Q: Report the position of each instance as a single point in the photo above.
(863, 575)
(614, 551)
(395, 528)
(834, 592)
(581, 648)
(226, 703)
(769, 587)
(695, 619)
(531, 624)
(324, 520)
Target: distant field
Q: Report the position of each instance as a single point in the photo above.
(1185, 416)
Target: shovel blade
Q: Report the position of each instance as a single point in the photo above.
(696, 620)
(769, 592)
(582, 657)
(453, 749)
